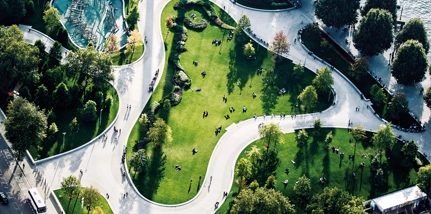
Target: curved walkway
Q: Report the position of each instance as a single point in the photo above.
(101, 162)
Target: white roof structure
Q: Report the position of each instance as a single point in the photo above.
(402, 197)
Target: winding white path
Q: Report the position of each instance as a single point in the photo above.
(101, 162)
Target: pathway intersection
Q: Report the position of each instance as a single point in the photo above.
(101, 161)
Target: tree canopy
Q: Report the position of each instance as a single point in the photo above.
(410, 63)
(89, 61)
(378, 94)
(243, 24)
(398, 105)
(243, 168)
(414, 29)
(90, 195)
(359, 133)
(427, 97)
(360, 68)
(89, 112)
(71, 187)
(423, 178)
(25, 125)
(112, 44)
(410, 150)
(303, 186)
(271, 134)
(249, 49)
(308, 97)
(18, 59)
(324, 80)
(384, 138)
(375, 28)
(50, 16)
(334, 200)
(160, 132)
(139, 160)
(261, 200)
(280, 45)
(389, 5)
(135, 39)
(336, 13)
(133, 18)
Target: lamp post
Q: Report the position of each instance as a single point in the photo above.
(100, 123)
(64, 135)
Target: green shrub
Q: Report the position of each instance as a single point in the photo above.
(154, 106)
(175, 98)
(99, 99)
(197, 26)
(89, 112)
(182, 79)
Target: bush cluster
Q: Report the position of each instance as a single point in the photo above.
(182, 79)
(197, 26)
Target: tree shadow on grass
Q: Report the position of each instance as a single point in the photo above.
(241, 69)
(148, 185)
(262, 170)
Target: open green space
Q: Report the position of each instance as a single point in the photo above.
(316, 159)
(121, 57)
(312, 39)
(266, 5)
(77, 207)
(228, 73)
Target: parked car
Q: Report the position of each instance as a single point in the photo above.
(3, 198)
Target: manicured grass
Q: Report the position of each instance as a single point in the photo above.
(228, 73)
(119, 57)
(316, 160)
(312, 40)
(79, 208)
(266, 6)
(73, 138)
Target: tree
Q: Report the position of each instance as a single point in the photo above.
(398, 105)
(89, 61)
(133, 18)
(42, 96)
(71, 186)
(280, 45)
(139, 161)
(271, 134)
(367, 33)
(359, 133)
(91, 196)
(143, 120)
(334, 200)
(329, 137)
(18, 59)
(50, 16)
(302, 187)
(335, 13)
(360, 68)
(414, 29)
(323, 81)
(61, 95)
(302, 136)
(135, 39)
(17, 10)
(98, 210)
(298, 70)
(389, 5)
(243, 24)
(317, 124)
(427, 97)
(243, 168)
(169, 22)
(378, 95)
(410, 150)
(249, 49)
(384, 138)
(410, 63)
(160, 132)
(423, 178)
(261, 200)
(253, 185)
(270, 182)
(254, 154)
(89, 112)
(112, 44)
(25, 125)
(308, 97)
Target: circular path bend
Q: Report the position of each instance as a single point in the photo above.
(101, 161)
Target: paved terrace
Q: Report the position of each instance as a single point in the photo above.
(101, 162)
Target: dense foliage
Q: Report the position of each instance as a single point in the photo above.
(336, 13)
(410, 63)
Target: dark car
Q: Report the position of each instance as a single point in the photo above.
(3, 198)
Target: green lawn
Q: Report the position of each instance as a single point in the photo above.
(76, 205)
(73, 138)
(228, 73)
(316, 160)
(121, 58)
(266, 6)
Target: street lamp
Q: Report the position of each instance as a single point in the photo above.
(100, 123)
(64, 134)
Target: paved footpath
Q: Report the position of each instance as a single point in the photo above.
(101, 161)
